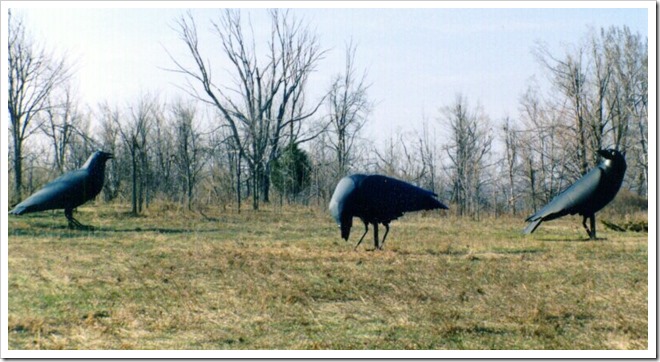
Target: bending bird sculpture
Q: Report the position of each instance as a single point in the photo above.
(377, 199)
(70, 190)
(587, 195)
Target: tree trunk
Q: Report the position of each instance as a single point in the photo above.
(18, 170)
(134, 209)
(265, 185)
(238, 183)
(256, 175)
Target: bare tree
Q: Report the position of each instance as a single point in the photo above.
(134, 134)
(569, 75)
(468, 147)
(110, 139)
(395, 159)
(602, 82)
(529, 173)
(408, 156)
(600, 115)
(265, 99)
(627, 98)
(189, 156)
(349, 107)
(428, 156)
(225, 153)
(510, 137)
(33, 74)
(64, 126)
(323, 172)
(162, 155)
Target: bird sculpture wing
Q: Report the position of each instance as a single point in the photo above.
(570, 201)
(396, 197)
(413, 198)
(65, 192)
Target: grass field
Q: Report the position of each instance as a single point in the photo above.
(281, 278)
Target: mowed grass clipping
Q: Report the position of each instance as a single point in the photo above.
(281, 278)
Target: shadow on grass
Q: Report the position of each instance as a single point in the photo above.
(158, 230)
(579, 240)
(48, 230)
(519, 251)
(41, 229)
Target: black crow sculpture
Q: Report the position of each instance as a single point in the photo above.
(70, 190)
(587, 195)
(377, 199)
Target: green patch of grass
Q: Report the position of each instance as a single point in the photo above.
(282, 278)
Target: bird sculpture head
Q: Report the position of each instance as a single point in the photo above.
(613, 159)
(97, 158)
(342, 193)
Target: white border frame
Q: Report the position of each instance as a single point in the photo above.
(652, 248)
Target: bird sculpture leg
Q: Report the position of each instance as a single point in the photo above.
(73, 223)
(584, 223)
(375, 235)
(366, 229)
(387, 230)
(591, 231)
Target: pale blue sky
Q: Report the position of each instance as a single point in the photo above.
(417, 59)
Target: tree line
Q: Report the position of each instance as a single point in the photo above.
(257, 136)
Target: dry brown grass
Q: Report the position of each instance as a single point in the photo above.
(283, 279)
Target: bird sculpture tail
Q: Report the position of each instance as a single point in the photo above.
(18, 210)
(532, 225)
(435, 204)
